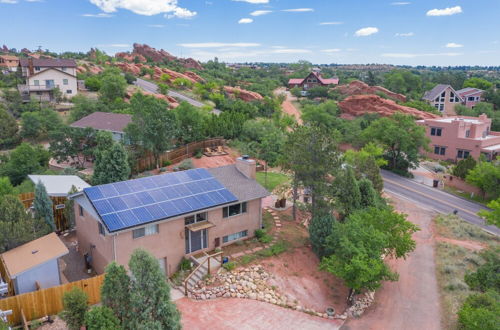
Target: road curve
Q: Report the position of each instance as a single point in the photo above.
(153, 88)
(437, 200)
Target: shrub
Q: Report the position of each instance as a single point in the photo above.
(259, 233)
(75, 306)
(319, 229)
(167, 163)
(198, 154)
(101, 318)
(185, 264)
(186, 164)
(266, 239)
(480, 311)
(246, 259)
(229, 266)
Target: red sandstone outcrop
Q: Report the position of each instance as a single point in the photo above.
(172, 103)
(144, 52)
(242, 94)
(357, 87)
(358, 105)
(89, 67)
(158, 72)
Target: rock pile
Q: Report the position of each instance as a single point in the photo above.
(242, 94)
(249, 283)
(358, 105)
(357, 87)
(361, 304)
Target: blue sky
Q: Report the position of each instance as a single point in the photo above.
(427, 32)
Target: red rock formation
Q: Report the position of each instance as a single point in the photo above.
(144, 52)
(4, 49)
(358, 105)
(243, 94)
(357, 87)
(89, 67)
(172, 103)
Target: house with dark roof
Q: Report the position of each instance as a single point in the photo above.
(106, 121)
(9, 63)
(43, 76)
(173, 216)
(470, 96)
(314, 79)
(444, 98)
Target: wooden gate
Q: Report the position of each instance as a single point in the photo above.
(58, 208)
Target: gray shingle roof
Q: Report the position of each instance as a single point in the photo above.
(49, 62)
(104, 121)
(243, 188)
(433, 93)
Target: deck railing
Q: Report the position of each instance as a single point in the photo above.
(205, 261)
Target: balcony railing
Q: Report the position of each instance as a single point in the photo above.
(37, 88)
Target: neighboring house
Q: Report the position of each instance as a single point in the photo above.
(106, 121)
(470, 96)
(455, 138)
(44, 75)
(444, 98)
(34, 265)
(59, 185)
(173, 215)
(314, 79)
(9, 62)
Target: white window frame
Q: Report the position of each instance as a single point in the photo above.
(235, 236)
(243, 209)
(148, 230)
(65, 82)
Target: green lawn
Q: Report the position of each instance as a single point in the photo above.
(273, 179)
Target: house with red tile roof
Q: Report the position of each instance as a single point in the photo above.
(314, 79)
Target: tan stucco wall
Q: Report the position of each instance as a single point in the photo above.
(169, 243)
(58, 78)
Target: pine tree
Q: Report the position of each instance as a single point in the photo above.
(43, 205)
(347, 192)
(150, 302)
(115, 291)
(368, 193)
(319, 229)
(111, 165)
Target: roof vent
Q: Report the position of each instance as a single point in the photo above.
(245, 157)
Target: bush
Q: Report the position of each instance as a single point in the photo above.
(75, 306)
(198, 154)
(185, 264)
(273, 250)
(167, 163)
(101, 318)
(229, 266)
(186, 164)
(480, 311)
(259, 233)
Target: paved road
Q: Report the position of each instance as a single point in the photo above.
(153, 88)
(437, 200)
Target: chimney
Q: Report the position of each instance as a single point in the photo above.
(483, 117)
(31, 70)
(246, 166)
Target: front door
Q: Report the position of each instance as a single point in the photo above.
(196, 240)
(49, 83)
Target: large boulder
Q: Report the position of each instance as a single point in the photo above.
(357, 87)
(242, 94)
(358, 105)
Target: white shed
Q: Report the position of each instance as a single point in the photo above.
(59, 185)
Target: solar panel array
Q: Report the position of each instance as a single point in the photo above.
(137, 202)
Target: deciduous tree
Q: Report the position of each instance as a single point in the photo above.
(486, 176)
(8, 129)
(75, 306)
(111, 165)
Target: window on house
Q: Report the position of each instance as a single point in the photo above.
(471, 98)
(37, 82)
(65, 81)
(436, 131)
(145, 231)
(436, 106)
(101, 229)
(69, 91)
(63, 68)
(234, 236)
(441, 107)
(438, 150)
(37, 68)
(80, 210)
(452, 97)
(462, 153)
(467, 133)
(234, 209)
(196, 218)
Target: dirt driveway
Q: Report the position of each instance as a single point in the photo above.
(248, 314)
(288, 106)
(413, 301)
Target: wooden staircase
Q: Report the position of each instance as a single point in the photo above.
(206, 265)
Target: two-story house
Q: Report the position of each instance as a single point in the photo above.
(456, 138)
(314, 79)
(444, 98)
(171, 215)
(9, 63)
(43, 76)
(470, 96)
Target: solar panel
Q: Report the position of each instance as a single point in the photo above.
(126, 204)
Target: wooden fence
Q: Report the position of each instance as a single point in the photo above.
(38, 304)
(59, 217)
(177, 155)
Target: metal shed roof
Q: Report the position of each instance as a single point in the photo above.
(59, 185)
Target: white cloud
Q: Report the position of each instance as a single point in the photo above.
(413, 55)
(245, 21)
(260, 12)
(254, 1)
(331, 23)
(407, 34)
(219, 44)
(453, 45)
(145, 7)
(10, 2)
(333, 50)
(367, 31)
(400, 3)
(100, 15)
(290, 51)
(299, 10)
(445, 12)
